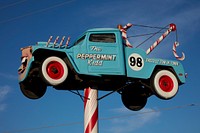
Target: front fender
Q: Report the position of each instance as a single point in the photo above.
(24, 74)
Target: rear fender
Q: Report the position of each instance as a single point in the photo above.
(139, 66)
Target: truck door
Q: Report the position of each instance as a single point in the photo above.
(104, 54)
(79, 50)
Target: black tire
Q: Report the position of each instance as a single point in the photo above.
(54, 71)
(33, 89)
(164, 84)
(134, 98)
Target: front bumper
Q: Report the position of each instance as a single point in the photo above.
(26, 62)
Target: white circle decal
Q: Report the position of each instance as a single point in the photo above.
(136, 62)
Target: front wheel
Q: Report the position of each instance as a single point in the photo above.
(54, 70)
(164, 84)
(33, 88)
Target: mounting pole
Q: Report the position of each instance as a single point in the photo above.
(90, 110)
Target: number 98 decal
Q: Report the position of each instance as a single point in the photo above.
(136, 62)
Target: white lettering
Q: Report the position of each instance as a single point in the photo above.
(114, 57)
(95, 48)
(175, 63)
(96, 59)
(163, 62)
(95, 62)
(78, 56)
(105, 57)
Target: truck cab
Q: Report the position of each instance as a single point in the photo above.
(100, 53)
(99, 58)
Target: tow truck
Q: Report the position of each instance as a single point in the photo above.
(99, 58)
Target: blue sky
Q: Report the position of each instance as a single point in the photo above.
(24, 22)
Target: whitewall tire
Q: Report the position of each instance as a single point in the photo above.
(164, 84)
(54, 70)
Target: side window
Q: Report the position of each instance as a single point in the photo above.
(80, 40)
(104, 38)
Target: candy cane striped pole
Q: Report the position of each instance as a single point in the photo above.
(172, 27)
(90, 110)
(61, 42)
(176, 44)
(67, 43)
(56, 40)
(50, 38)
(124, 34)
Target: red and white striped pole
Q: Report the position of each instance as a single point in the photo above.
(172, 27)
(176, 44)
(90, 110)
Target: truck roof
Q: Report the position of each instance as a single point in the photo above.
(102, 29)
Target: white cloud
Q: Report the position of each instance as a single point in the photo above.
(4, 90)
(8, 76)
(2, 107)
(132, 121)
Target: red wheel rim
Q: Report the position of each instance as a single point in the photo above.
(55, 70)
(166, 83)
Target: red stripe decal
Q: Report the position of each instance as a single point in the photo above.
(87, 92)
(92, 122)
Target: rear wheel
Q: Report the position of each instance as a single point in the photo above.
(54, 70)
(134, 98)
(33, 89)
(164, 84)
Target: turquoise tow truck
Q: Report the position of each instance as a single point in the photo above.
(98, 58)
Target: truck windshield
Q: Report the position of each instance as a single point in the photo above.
(104, 38)
(80, 40)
